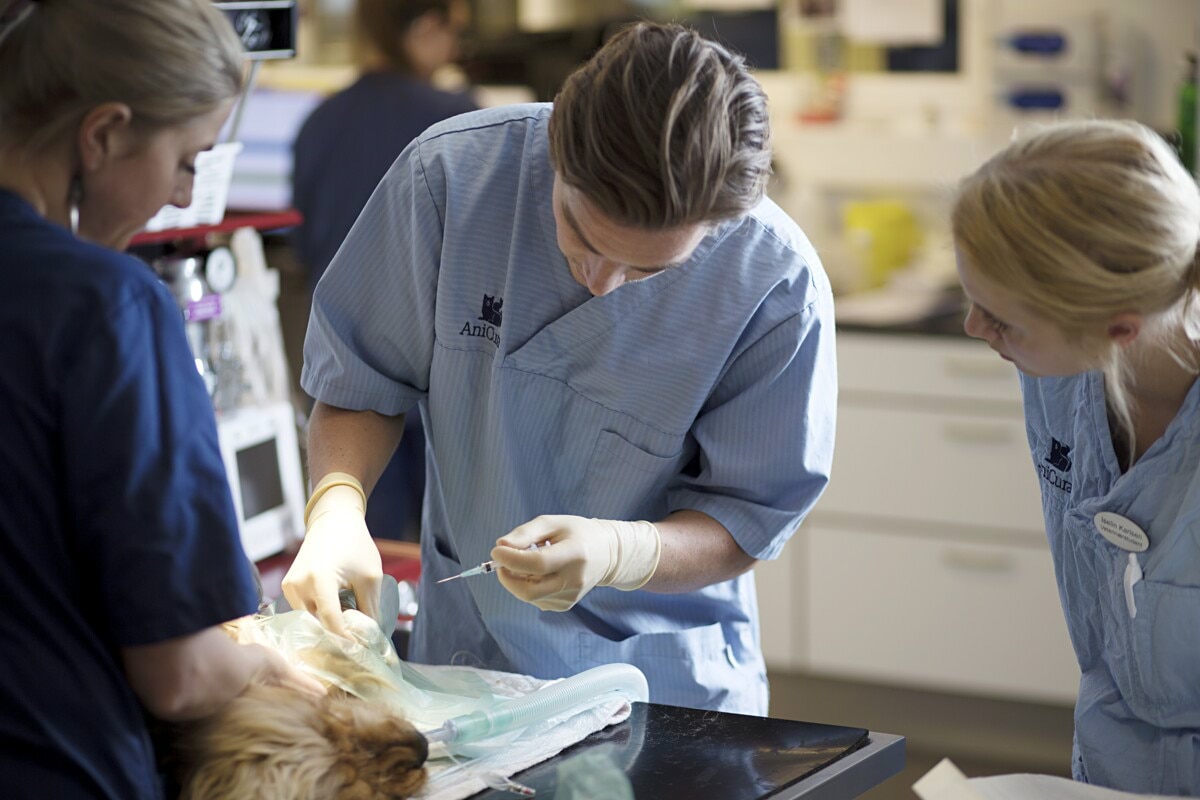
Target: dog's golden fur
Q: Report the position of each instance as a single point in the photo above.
(280, 743)
(275, 742)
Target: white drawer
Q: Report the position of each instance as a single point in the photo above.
(781, 610)
(973, 618)
(930, 467)
(924, 366)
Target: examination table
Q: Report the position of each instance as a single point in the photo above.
(673, 753)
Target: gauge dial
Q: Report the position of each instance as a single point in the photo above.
(220, 270)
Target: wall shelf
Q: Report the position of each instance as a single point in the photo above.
(259, 220)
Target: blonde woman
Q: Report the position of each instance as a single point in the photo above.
(119, 548)
(1077, 249)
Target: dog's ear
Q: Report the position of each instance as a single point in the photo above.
(379, 756)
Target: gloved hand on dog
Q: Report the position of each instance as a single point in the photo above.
(337, 552)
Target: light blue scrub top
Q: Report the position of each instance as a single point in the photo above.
(710, 386)
(1137, 720)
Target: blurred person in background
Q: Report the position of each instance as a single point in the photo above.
(342, 152)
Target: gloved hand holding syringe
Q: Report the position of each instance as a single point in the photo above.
(488, 566)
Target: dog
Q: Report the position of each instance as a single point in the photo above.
(276, 742)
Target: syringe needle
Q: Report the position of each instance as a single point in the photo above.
(487, 567)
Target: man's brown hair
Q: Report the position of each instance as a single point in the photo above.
(663, 128)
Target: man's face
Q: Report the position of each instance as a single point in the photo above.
(603, 254)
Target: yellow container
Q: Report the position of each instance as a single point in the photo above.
(884, 234)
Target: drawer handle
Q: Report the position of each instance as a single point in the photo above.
(977, 368)
(973, 561)
(978, 433)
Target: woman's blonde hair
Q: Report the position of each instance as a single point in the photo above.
(1083, 221)
(168, 60)
(663, 128)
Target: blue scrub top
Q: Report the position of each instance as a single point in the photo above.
(116, 523)
(1137, 719)
(711, 386)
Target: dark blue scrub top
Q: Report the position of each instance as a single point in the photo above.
(116, 523)
(345, 147)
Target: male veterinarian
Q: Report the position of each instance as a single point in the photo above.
(601, 319)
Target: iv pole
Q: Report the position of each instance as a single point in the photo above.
(251, 78)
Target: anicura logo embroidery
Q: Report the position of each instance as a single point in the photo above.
(491, 310)
(1060, 463)
(1058, 457)
(491, 317)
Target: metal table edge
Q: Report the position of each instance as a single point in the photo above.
(853, 775)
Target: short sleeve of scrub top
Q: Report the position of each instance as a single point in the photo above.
(149, 494)
(371, 335)
(766, 435)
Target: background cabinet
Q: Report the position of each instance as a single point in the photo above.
(925, 563)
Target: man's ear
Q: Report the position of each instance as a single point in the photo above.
(1124, 328)
(104, 134)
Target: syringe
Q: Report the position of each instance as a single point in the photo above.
(487, 566)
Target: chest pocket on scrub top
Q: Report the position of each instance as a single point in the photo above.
(1164, 644)
(623, 481)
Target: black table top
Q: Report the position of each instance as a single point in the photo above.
(670, 752)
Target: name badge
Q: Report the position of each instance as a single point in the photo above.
(1122, 532)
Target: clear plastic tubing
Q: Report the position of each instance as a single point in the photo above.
(577, 692)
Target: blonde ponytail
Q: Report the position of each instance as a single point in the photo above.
(1086, 220)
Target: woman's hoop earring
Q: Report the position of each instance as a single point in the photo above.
(74, 198)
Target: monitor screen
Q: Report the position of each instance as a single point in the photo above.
(270, 121)
(258, 477)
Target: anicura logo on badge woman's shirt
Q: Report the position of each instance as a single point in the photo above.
(491, 317)
(1059, 460)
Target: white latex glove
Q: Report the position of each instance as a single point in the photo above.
(583, 553)
(337, 552)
